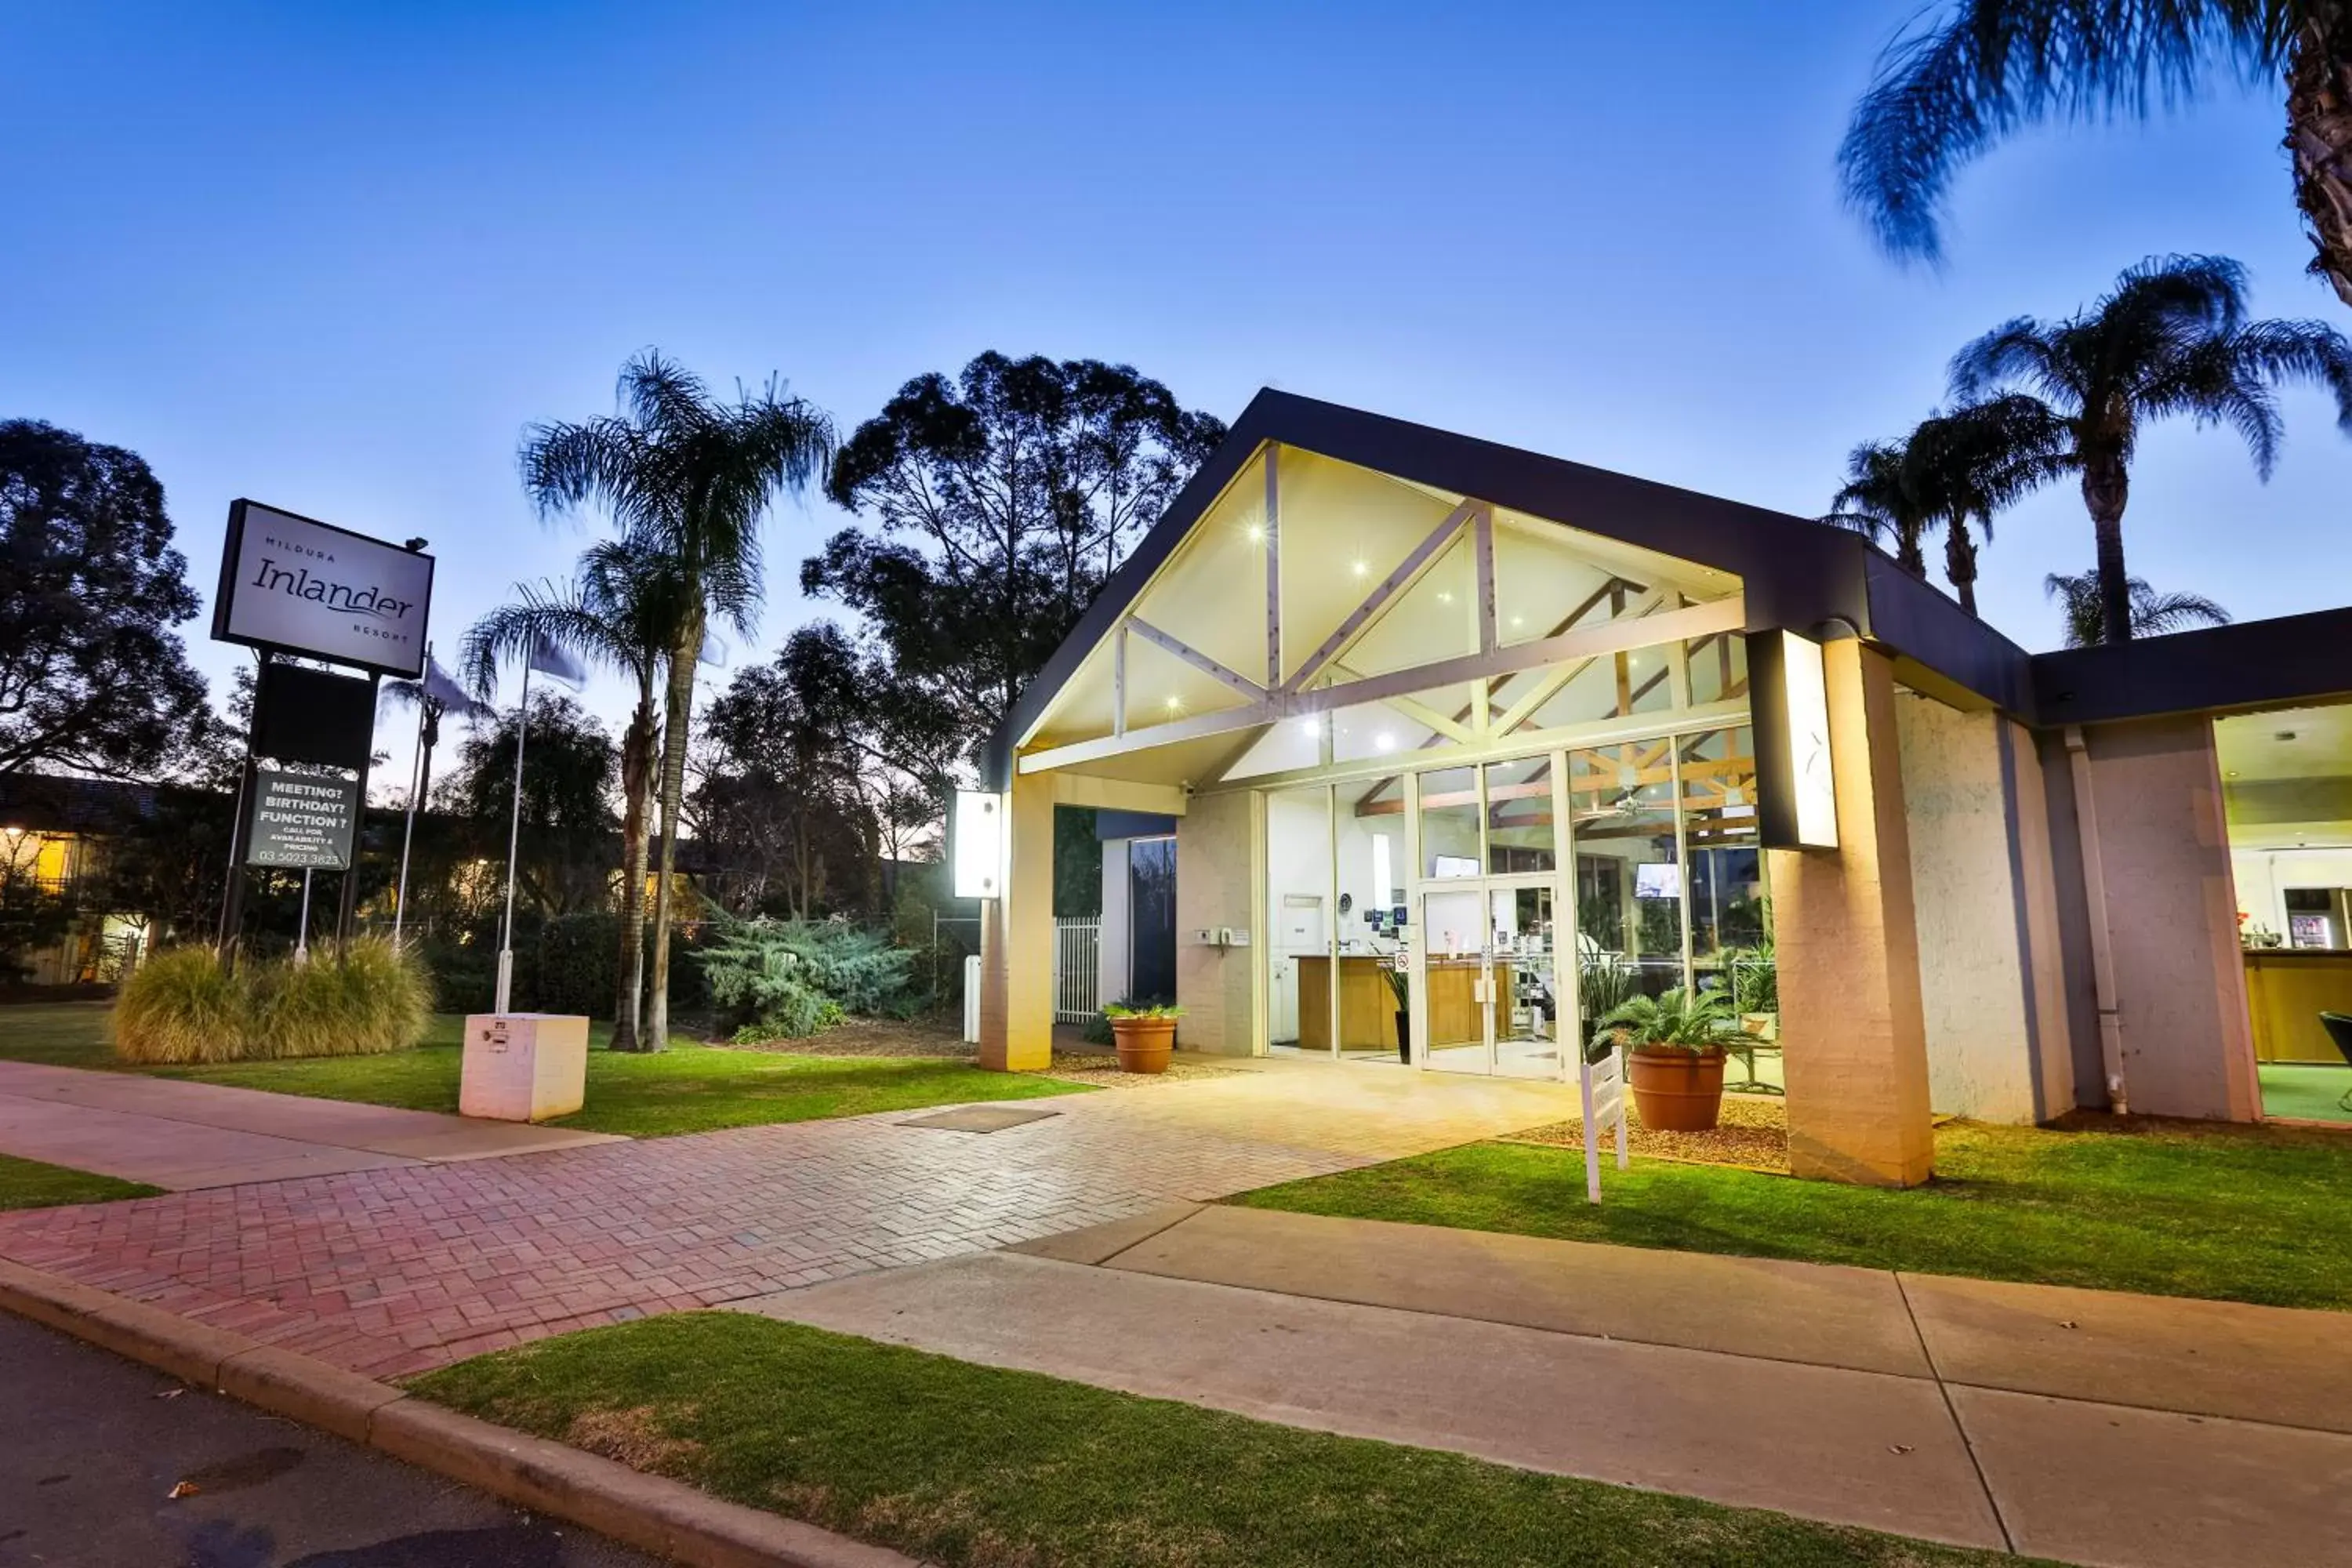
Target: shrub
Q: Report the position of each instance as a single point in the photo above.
(578, 964)
(794, 977)
(180, 1007)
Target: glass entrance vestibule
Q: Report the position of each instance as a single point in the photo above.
(1475, 917)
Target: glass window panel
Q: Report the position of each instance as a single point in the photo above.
(1519, 826)
(1629, 884)
(1728, 915)
(1449, 824)
(1718, 666)
(1372, 869)
(1298, 918)
(1613, 686)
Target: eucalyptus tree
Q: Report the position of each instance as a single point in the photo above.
(2172, 339)
(690, 478)
(1968, 73)
(624, 611)
(2153, 614)
(996, 503)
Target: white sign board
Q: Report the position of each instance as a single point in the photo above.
(307, 587)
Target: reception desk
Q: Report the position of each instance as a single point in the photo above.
(2286, 990)
(1368, 1007)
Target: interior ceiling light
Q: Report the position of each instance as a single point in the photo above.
(1256, 531)
(1362, 570)
(1384, 742)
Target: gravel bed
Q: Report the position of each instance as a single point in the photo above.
(1753, 1133)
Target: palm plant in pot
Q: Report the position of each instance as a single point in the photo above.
(1676, 1050)
(1401, 987)
(1144, 1034)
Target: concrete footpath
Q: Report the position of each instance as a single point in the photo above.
(186, 1136)
(2090, 1427)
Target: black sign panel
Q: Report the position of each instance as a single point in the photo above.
(309, 716)
(303, 821)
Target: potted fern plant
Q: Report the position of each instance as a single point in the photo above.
(1144, 1034)
(1676, 1054)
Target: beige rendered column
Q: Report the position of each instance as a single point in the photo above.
(1016, 938)
(1849, 955)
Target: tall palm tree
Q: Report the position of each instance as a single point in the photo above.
(1968, 465)
(1880, 498)
(691, 479)
(1953, 472)
(1978, 70)
(623, 611)
(2172, 338)
(2153, 614)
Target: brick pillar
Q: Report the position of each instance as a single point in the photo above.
(1016, 938)
(1849, 955)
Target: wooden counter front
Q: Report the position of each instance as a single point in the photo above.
(1368, 1007)
(2286, 990)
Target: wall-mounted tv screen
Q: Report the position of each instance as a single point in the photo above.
(1658, 881)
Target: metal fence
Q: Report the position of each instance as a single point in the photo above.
(1077, 969)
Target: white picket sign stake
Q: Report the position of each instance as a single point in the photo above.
(1602, 1085)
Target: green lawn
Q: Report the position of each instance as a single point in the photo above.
(687, 1089)
(2234, 1214)
(959, 1464)
(30, 1184)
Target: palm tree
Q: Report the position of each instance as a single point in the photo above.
(2153, 615)
(1967, 465)
(1953, 472)
(690, 479)
(1981, 70)
(623, 611)
(2172, 339)
(1879, 500)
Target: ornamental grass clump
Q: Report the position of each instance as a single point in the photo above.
(179, 1007)
(368, 999)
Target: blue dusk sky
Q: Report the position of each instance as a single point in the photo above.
(336, 256)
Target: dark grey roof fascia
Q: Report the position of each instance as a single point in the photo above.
(1795, 571)
(2284, 662)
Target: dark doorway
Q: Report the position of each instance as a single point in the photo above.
(1151, 919)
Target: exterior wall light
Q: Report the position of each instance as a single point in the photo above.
(1796, 784)
(977, 853)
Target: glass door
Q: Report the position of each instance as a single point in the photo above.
(1487, 971)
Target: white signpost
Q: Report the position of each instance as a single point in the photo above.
(1602, 1085)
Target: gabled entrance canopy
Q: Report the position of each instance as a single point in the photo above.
(1334, 582)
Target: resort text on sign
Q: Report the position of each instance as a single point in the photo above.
(301, 820)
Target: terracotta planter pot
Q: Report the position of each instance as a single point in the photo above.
(1144, 1043)
(1676, 1091)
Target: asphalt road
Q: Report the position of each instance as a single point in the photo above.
(93, 1446)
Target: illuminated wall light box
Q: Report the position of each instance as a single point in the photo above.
(977, 830)
(1796, 787)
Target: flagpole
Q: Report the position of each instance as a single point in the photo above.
(514, 839)
(416, 764)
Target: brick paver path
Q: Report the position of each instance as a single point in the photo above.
(391, 1271)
